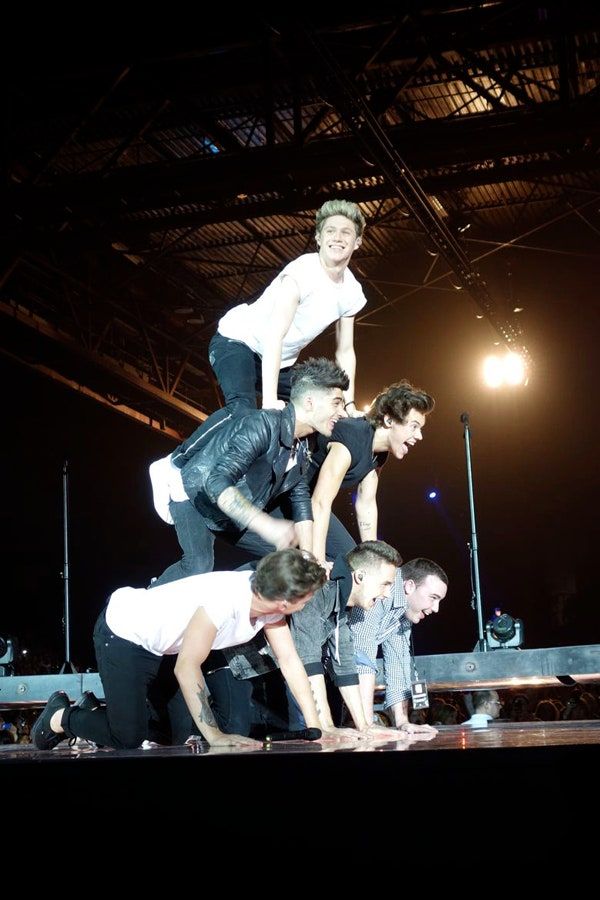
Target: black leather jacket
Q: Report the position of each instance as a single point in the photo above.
(250, 453)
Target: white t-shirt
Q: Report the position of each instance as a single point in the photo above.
(322, 301)
(156, 618)
(167, 485)
(478, 720)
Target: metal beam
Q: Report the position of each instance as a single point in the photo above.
(359, 117)
(149, 190)
(444, 671)
(507, 667)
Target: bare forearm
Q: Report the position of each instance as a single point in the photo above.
(237, 507)
(353, 700)
(321, 513)
(347, 360)
(278, 532)
(367, 690)
(304, 532)
(319, 692)
(195, 694)
(366, 519)
(294, 673)
(400, 712)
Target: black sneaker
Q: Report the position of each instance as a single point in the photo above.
(41, 734)
(88, 701)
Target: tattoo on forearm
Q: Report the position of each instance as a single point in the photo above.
(235, 505)
(315, 698)
(206, 713)
(364, 524)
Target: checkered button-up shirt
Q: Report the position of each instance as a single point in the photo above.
(385, 625)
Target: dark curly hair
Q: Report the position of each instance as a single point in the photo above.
(396, 401)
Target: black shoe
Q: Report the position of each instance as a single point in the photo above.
(88, 701)
(41, 734)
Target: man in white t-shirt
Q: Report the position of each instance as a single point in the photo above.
(140, 628)
(257, 343)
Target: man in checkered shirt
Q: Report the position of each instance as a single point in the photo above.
(419, 588)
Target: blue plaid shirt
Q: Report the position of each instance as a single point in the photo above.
(385, 625)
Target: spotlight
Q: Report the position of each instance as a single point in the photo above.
(432, 495)
(514, 369)
(492, 372)
(504, 631)
(500, 370)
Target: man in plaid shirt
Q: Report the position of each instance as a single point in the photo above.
(419, 588)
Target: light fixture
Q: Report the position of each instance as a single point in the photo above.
(504, 632)
(504, 370)
(458, 222)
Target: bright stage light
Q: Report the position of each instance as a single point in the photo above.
(514, 369)
(500, 370)
(432, 495)
(492, 372)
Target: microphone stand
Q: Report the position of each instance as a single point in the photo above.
(67, 666)
(473, 547)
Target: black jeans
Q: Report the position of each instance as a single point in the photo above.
(238, 371)
(131, 677)
(245, 706)
(339, 540)
(197, 542)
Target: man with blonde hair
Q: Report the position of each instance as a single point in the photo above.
(257, 343)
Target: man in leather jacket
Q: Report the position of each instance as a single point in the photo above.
(227, 476)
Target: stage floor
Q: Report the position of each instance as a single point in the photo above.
(465, 789)
(499, 735)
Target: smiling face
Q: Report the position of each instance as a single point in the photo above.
(370, 583)
(322, 409)
(423, 599)
(400, 436)
(337, 240)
